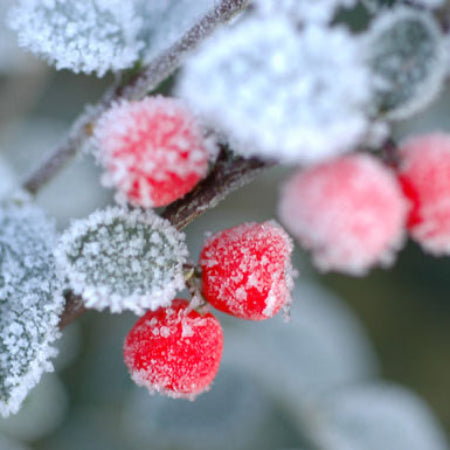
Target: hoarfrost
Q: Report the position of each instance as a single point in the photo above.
(295, 95)
(89, 36)
(30, 302)
(102, 35)
(120, 260)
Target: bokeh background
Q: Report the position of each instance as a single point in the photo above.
(281, 385)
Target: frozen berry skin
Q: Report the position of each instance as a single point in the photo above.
(153, 150)
(246, 270)
(424, 172)
(350, 212)
(175, 351)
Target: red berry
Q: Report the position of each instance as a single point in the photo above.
(246, 270)
(175, 351)
(424, 173)
(350, 212)
(153, 150)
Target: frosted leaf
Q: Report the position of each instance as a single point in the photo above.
(83, 36)
(378, 416)
(30, 302)
(298, 96)
(304, 11)
(120, 260)
(406, 53)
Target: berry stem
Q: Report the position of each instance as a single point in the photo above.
(136, 87)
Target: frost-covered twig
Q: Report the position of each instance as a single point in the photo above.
(229, 174)
(136, 87)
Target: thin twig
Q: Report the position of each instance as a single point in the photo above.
(136, 87)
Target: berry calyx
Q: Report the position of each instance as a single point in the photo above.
(175, 351)
(153, 150)
(246, 270)
(424, 173)
(350, 212)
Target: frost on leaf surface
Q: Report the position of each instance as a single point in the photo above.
(83, 36)
(120, 260)
(406, 53)
(30, 302)
(279, 92)
(379, 416)
(320, 11)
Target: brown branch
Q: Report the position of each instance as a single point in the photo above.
(136, 87)
(228, 174)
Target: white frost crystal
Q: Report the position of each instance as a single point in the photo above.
(30, 302)
(406, 51)
(120, 260)
(297, 96)
(84, 36)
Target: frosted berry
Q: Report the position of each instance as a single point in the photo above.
(424, 173)
(349, 212)
(153, 151)
(175, 351)
(246, 270)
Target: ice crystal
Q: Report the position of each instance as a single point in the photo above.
(84, 36)
(280, 92)
(303, 10)
(406, 53)
(120, 259)
(30, 302)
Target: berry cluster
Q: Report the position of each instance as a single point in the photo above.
(353, 212)
(246, 272)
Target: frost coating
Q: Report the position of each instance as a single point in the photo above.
(83, 36)
(153, 150)
(350, 212)
(407, 55)
(306, 11)
(298, 96)
(30, 302)
(175, 351)
(121, 260)
(247, 271)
